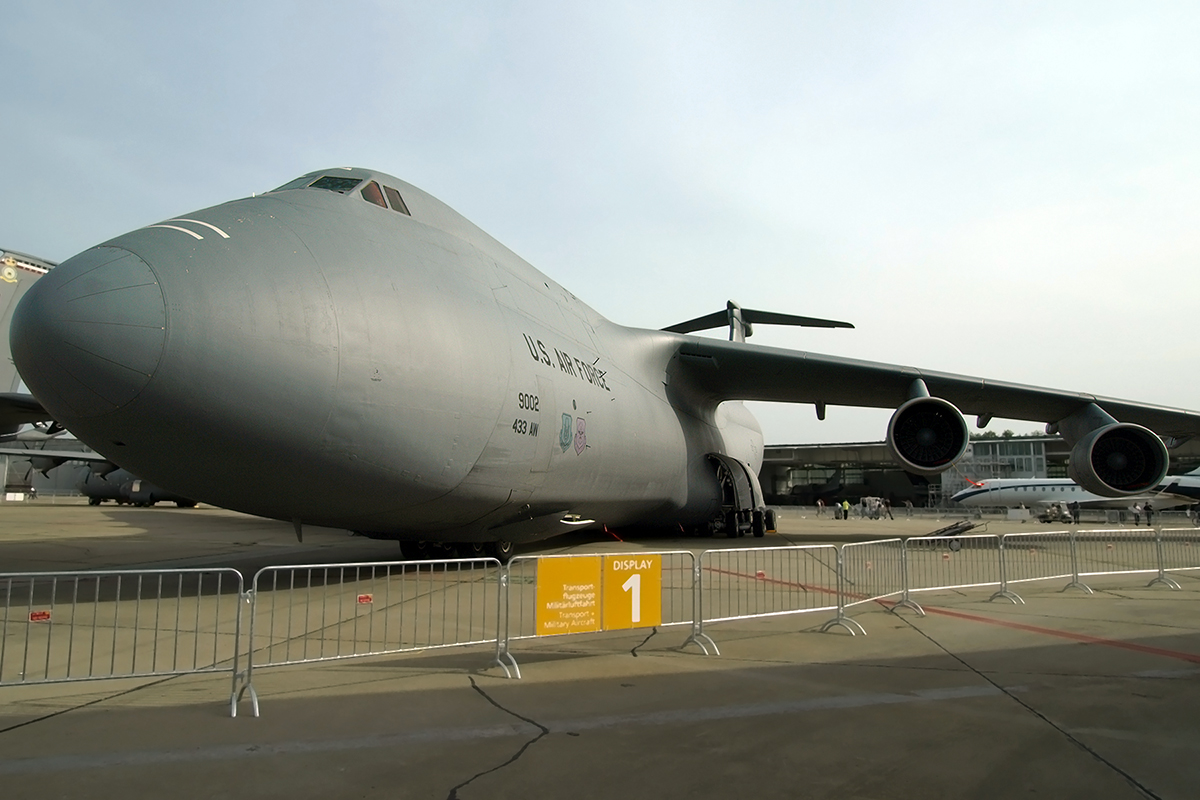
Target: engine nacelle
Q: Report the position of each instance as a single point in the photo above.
(1118, 460)
(927, 435)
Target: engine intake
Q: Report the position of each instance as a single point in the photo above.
(927, 435)
(1118, 460)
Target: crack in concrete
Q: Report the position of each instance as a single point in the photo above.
(634, 651)
(1129, 778)
(571, 726)
(98, 700)
(544, 731)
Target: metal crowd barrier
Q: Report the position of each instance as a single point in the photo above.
(323, 612)
(1029, 557)
(1114, 552)
(79, 626)
(868, 572)
(98, 625)
(746, 583)
(580, 603)
(1074, 555)
(933, 563)
(1179, 550)
(876, 571)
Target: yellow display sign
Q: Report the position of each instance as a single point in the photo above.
(568, 595)
(632, 592)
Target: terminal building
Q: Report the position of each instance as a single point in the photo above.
(800, 474)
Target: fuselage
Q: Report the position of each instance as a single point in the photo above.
(124, 487)
(380, 366)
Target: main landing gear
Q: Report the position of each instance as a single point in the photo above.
(432, 551)
(738, 523)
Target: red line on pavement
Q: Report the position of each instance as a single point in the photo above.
(776, 581)
(1078, 637)
(1020, 626)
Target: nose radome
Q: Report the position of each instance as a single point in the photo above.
(88, 336)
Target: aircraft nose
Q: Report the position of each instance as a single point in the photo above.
(88, 336)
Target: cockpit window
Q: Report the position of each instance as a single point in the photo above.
(371, 191)
(371, 194)
(335, 183)
(299, 183)
(396, 200)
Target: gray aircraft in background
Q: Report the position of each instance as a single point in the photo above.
(124, 488)
(18, 409)
(348, 351)
(103, 480)
(18, 272)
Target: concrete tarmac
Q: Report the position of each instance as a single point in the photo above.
(1070, 695)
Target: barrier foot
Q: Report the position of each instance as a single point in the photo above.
(698, 638)
(1165, 581)
(1078, 585)
(908, 603)
(1013, 597)
(846, 623)
(505, 656)
(237, 699)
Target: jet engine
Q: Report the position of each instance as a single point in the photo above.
(1118, 460)
(1111, 458)
(927, 435)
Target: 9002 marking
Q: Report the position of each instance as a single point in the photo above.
(527, 402)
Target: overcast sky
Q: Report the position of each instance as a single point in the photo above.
(1008, 189)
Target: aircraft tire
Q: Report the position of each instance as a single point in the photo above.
(470, 550)
(731, 524)
(93, 501)
(502, 551)
(759, 525)
(414, 551)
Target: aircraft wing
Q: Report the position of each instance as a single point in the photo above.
(64, 455)
(720, 370)
(19, 409)
(45, 460)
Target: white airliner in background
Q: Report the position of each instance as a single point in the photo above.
(1172, 491)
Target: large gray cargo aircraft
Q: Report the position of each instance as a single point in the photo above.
(361, 356)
